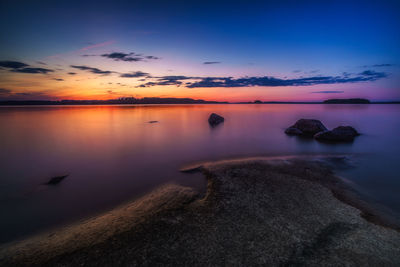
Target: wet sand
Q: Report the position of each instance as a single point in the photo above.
(276, 211)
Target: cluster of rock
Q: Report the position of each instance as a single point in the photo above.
(315, 129)
(308, 128)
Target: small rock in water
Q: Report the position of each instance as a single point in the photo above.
(306, 127)
(152, 121)
(215, 119)
(56, 179)
(339, 134)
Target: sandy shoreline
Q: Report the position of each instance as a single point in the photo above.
(280, 211)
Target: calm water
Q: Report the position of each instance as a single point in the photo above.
(113, 155)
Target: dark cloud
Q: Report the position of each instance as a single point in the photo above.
(296, 71)
(41, 63)
(168, 80)
(365, 76)
(135, 74)
(119, 56)
(374, 74)
(327, 92)
(175, 78)
(33, 70)
(58, 79)
(4, 91)
(21, 67)
(148, 84)
(128, 57)
(92, 70)
(12, 64)
(152, 57)
(379, 65)
(211, 62)
(72, 73)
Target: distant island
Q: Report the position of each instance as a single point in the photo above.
(118, 101)
(347, 101)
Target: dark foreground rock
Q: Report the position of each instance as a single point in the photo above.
(215, 119)
(306, 127)
(339, 134)
(282, 212)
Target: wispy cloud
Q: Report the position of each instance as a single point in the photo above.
(33, 70)
(152, 57)
(92, 46)
(383, 65)
(379, 65)
(136, 74)
(327, 92)
(128, 57)
(211, 62)
(92, 70)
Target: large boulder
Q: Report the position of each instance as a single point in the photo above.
(306, 127)
(339, 134)
(215, 119)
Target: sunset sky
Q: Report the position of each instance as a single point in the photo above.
(213, 50)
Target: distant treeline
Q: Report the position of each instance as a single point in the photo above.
(125, 100)
(160, 100)
(347, 101)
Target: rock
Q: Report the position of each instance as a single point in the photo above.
(307, 127)
(215, 119)
(293, 131)
(339, 134)
(56, 180)
(152, 121)
(270, 212)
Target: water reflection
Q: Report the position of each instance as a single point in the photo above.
(113, 154)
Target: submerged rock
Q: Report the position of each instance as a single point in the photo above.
(215, 119)
(339, 134)
(56, 180)
(306, 127)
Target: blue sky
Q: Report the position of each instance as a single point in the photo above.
(285, 40)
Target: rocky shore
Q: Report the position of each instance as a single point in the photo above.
(274, 212)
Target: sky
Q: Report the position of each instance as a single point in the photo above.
(213, 50)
